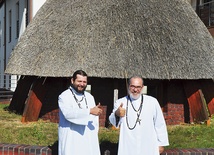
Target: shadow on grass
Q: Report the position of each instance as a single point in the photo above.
(106, 148)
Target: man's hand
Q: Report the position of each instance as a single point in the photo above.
(120, 111)
(161, 149)
(96, 110)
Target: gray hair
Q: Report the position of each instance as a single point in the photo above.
(133, 77)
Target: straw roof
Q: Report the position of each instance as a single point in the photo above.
(158, 39)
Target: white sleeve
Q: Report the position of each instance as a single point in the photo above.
(160, 127)
(74, 115)
(114, 120)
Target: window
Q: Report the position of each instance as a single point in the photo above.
(17, 20)
(205, 1)
(26, 13)
(10, 25)
(205, 10)
(0, 33)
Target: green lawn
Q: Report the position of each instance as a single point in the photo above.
(44, 133)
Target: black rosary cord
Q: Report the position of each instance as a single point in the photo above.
(133, 105)
(138, 114)
(78, 102)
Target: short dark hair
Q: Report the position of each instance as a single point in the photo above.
(80, 72)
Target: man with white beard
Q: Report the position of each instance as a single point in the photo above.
(140, 119)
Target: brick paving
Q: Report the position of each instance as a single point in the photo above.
(16, 149)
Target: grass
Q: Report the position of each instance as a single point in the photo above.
(44, 133)
(191, 136)
(15, 132)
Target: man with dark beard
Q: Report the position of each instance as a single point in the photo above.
(78, 119)
(142, 126)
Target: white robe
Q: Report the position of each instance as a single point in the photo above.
(147, 136)
(78, 129)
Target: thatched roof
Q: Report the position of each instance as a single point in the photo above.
(159, 39)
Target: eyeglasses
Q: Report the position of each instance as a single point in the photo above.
(135, 87)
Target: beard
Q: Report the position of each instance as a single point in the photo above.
(81, 91)
(134, 96)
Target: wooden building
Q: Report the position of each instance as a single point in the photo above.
(164, 41)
